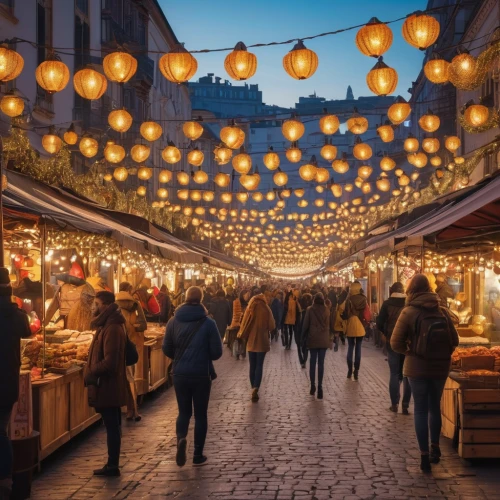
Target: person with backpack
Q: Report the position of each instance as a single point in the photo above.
(193, 342)
(354, 313)
(386, 321)
(425, 333)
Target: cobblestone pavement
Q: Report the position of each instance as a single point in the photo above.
(287, 446)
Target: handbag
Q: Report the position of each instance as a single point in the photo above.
(131, 354)
(367, 314)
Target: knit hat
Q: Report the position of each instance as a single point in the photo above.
(5, 284)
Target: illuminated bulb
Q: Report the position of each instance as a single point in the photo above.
(271, 159)
(232, 136)
(292, 129)
(399, 111)
(140, 153)
(151, 131)
(182, 178)
(300, 63)
(293, 154)
(171, 154)
(192, 130)
(387, 164)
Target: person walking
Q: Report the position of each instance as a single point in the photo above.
(220, 310)
(256, 324)
(306, 300)
(165, 305)
(316, 334)
(105, 374)
(193, 342)
(238, 347)
(15, 326)
(425, 333)
(339, 324)
(291, 315)
(277, 309)
(386, 321)
(355, 331)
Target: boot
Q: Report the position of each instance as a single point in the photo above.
(393, 408)
(425, 464)
(356, 371)
(320, 392)
(435, 455)
(180, 457)
(349, 366)
(313, 390)
(405, 410)
(255, 394)
(108, 471)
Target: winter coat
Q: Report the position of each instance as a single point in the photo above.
(277, 309)
(257, 322)
(389, 313)
(135, 323)
(15, 326)
(292, 309)
(165, 306)
(354, 305)
(444, 292)
(105, 373)
(238, 311)
(404, 331)
(205, 346)
(316, 326)
(220, 310)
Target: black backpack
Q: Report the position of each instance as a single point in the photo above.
(433, 339)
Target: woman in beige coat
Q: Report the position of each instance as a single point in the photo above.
(355, 331)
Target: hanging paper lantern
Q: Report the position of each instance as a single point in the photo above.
(70, 136)
(419, 160)
(222, 154)
(411, 144)
(119, 67)
(319, 202)
(258, 197)
(365, 171)
(271, 159)
(145, 173)
(195, 157)
(280, 178)
(89, 83)
(336, 190)
(242, 162)
(293, 153)
(300, 63)
(208, 196)
(11, 104)
(270, 196)
(222, 180)
(151, 131)
(386, 132)
(399, 111)
(171, 153)
(140, 153)
(348, 188)
(51, 142)
(108, 177)
(226, 197)
(329, 124)
(200, 176)
(183, 194)
(250, 181)
(114, 153)
(476, 115)
(463, 67)
(165, 176)
(435, 161)
(430, 145)
(374, 38)
(11, 64)
(436, 69)
(232, 136)
(361, 150)
(341, 166)
(420, 30)
(328, 152)
(399, 172)
(192, 130)
(242, 198)
(120, 174)
(308, 171)
(429, 122)
(178, 65)
(452, 143)
(403, 180)
(162, 193)
(387, 164)
(120, 120)
(240, 64)
(299, 192)
(141, 191)
(366, 188)
(357, 124)
(88, 146)
(322, 175)
(382, 80)
(292, 129)
(414, 176)
(383, 183)
(52, 75)
(302, 203)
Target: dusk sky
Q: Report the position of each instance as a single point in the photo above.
(203, 24)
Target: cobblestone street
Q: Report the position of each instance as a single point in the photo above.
(288, 445)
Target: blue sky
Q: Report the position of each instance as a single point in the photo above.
(205, 24)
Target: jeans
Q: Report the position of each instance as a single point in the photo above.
(355, 344)
(112, 418)
(289, 331)
(427, 394)
(319, 355)
(193, 392)
(301, 348)
(256, 368)
(396, 361)
(5, 444)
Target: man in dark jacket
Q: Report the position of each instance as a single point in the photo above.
(277, 308)
(192, 341)
(15, 326)
(386, 321)
(220, 310)
(165, 304)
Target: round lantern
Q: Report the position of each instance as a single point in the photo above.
(151, 131)
(387, 164)
(52, 75)
(178, 65)
(171, 153)
(280, 178)
(232, 136)
(141, 191)
(88, 146)
(452, 143)
(436, 161)
(414, 176)
(419, 160)
(348, 188)
(258, 197)
(463, 67)
(114, 153)
(108, 177)
(162, 193)
(476, 115)
(299, 192)
(383, 183)
(120, 120)
(222, 179)
(374, 38)
(336, 190)
(293, 154)
(11, 64)
(145, 173)
(271, 159)
(240, 64)
(308, 171)
(11, 104)
(302, 203)
(140, 153)
(366, 188)
(403, 180)
(119, 67)
(89, 83)
(429, 122)
(250, 181)
(341, 166)
(386, 132)
(270, 196)
(241, 197)
(439, 173)
(328, 152)
(195, 157)
(164, 176)
(382, 80)
(222, 154)
(292, 129)
(322, 175)
(300, 63)
(319, 202)
(365, 171)
(399, 111)
(183, 194)
(192, 130)
(430, 145)
(357, 124)
(361, 150)
(242, 162)
(208, 196)
(70, 136)
(200, 176)
(436, 69)
(120, 174)
(329, 124)
(420, 30)
(51, 142)
(411, 144)
(226, 197)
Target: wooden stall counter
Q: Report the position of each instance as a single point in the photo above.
(157, 362)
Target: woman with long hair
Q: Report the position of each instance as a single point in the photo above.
(239, 308)
(355, 331)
